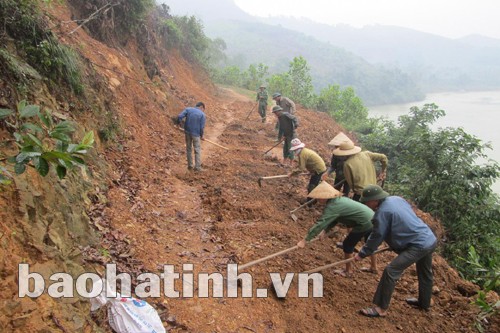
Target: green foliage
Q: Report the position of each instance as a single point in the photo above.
(113, 20)
(344, 106)
(489, 279)
(300, 85)
(24, 23)
(193, 42)
(438, 170)
(43, 142)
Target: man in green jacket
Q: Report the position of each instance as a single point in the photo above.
(359, 168)
(262, 100)
(308, 160)
(347, 212)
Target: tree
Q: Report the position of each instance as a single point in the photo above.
(300, 85)
(438, 171)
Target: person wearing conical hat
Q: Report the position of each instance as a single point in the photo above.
(337, 165)
(308, 160)
(262, 100)
(339, 209)
(396, 223)
(359, 169)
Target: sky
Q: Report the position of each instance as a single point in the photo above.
(453, 19)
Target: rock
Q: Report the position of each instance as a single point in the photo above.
(467, 289)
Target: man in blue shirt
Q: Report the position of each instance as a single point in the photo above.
(193, 129)
(396, 223)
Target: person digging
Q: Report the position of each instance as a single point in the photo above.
(347, 212)
(396, 223)
(308, 160)
(288, 124)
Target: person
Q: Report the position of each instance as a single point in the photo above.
(337, 165)
(308, 160)
(286, 103)
(194, 127)
(396, 223)
(359, 168)
(288, 123)
(339, 209)
(262, 100)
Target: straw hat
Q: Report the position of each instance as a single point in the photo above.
(346, 148)
(338, 139)
(296, 144)
(373, 192)
(324, 191)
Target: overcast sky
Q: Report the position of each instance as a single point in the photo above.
(447, 18)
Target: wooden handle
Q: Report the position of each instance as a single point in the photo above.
(273, 177)
(322, 268)
(258, 261)
(273, 146)
(303, 205)
(216, 144)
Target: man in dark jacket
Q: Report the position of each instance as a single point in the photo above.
(287, 125)
(193, 130)
(407, 235)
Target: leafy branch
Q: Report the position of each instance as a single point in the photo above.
(43, 142)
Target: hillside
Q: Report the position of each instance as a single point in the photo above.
(137, 205)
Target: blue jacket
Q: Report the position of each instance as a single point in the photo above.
(396, 223)
(195, 121)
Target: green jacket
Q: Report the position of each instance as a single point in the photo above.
(345, 211)
(262, 97)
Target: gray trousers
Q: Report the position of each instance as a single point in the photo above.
(392, 273)
(193, 141)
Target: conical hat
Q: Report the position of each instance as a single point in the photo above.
(324, 191)
(338, 139)
(346, 148)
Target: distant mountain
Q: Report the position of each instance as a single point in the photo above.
(385, 64)
(438, 63)
(480, 41)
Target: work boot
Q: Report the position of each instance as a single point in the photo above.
(198, 170)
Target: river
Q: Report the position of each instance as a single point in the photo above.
(478, 113)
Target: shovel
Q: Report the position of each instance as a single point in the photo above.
(216, 144)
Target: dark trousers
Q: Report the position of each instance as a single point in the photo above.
(314, 181)
(392, 273)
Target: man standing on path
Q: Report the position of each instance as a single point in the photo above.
(262, 99)
(308, 160)
(193, 130)
(287, 125)
(339, 209)
(359, 170)
(286, 103)
(396, 223)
